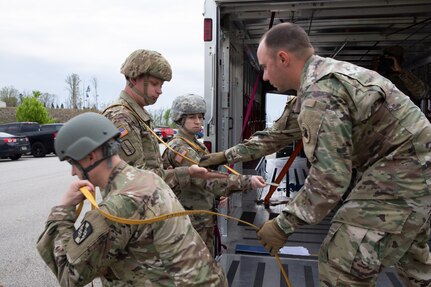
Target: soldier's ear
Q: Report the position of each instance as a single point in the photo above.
(283, 57)
(92, 155)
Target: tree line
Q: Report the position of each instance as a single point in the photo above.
(80, 96)
(33, 106)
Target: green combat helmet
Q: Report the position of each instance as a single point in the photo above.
(83, 134)
(187, 105)
(146, 62)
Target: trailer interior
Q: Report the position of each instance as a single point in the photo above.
(353, 31)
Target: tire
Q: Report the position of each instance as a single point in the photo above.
(38, 149)
(15, 157)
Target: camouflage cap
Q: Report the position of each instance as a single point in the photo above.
(186, 105)
(147, 62)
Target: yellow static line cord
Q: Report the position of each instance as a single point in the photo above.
(177, 153)
(273, 184)
(161, 141)
(89, 195)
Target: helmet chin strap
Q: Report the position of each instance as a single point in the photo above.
(109, 149)
(86, 170)
(144, 95)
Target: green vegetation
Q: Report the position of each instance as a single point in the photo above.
(161, 117)
(33, 110)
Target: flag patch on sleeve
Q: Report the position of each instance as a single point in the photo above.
(123, 131)
(178, 158)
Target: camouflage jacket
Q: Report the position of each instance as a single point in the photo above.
(283, 132)
(139, 147)
(201, 193)
(165, 253)
(354, 119)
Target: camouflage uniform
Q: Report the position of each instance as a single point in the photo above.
(284, 131)
(165, 253)
(354, 119)
(201, 194)
(139, 147)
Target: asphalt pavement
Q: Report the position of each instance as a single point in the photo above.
(29, 187)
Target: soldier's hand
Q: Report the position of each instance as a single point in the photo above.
(201, 172)
(74, 196)
(213, 159)
(271, 236)
(257, 182)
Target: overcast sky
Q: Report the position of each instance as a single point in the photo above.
(42, 42)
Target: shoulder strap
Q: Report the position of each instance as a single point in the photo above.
(193, 145)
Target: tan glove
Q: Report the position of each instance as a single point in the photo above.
(271, 236)
(213, 159)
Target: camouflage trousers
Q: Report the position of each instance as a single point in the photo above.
(354, 256)
(207, 235)
(204, 225)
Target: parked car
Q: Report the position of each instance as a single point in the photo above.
(200, 134)
(166, 133)
(158, 132)
(41, 142)
(51, 127)
(12, 146)
(19, 128)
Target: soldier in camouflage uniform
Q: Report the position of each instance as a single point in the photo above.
(353, 119)
(145, 73)
(165, 253)
(283, 132)
(187, 112)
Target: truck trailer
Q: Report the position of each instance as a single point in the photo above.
(236, 97)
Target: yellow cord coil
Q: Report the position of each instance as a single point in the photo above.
(114, 218)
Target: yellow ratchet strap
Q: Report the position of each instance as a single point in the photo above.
(90, 196)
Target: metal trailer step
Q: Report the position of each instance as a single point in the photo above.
(263, 271)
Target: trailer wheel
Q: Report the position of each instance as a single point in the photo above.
(38, 149)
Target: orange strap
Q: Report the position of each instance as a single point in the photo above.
(283, 171)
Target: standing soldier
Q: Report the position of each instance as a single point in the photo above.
(352, 119)
(145, 73)
(188, 113)
(165, 253)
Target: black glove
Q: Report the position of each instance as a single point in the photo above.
(271, 236)
(213, 159)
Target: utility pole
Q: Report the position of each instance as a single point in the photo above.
(88, 96)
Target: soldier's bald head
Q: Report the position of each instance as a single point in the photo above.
(289, 37)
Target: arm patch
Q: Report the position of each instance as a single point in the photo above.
(127, 147)
(83, 231)
(179, 158)
(123, 131)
